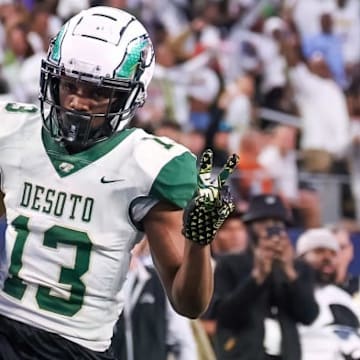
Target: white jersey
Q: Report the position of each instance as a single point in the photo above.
(70, 230)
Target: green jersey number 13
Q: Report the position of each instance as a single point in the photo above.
(14, 286)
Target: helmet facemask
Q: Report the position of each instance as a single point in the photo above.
(78, 128)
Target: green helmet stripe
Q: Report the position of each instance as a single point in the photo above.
(55, 54)
(132, 58)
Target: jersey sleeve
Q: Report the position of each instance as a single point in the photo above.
(177, 180)
(168, 168)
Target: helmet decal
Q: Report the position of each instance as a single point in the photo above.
(55, 47)
(137, 53)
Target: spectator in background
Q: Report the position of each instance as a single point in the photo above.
(325, 129)
(203, 32)
(22, 54)
(273, 83)
(334, 334)
(345, 256)
(178, 43)
(195, 140)
(330, 46)
(244, 57)
(165, 92)
(231, 238)
(202, 90)
(346, 18)
(262, 294)
(18, 51)
(169, 129)
(253, 177)
(44, 23)
(148, 327)
(353, 100)
(279, 159)
(220, 142)
(175, 83)
(236, 101)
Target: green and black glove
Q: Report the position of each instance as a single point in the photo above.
(212, 202)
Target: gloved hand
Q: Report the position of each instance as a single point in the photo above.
(211, 204)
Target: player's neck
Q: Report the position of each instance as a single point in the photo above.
(75, 149)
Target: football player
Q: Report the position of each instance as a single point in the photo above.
(81, 188)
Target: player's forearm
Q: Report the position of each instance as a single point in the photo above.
(193, 285)
(202, 217)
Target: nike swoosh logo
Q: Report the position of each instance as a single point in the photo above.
(105, 181)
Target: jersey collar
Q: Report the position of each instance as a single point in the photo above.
(66, 164)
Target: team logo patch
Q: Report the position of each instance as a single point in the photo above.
(66, 167)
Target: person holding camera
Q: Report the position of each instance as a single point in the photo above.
(260, 296)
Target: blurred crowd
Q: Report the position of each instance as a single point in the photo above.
(276, 81)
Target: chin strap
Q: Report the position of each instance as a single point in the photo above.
(212, 202)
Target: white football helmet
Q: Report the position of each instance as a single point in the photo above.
(109, 49)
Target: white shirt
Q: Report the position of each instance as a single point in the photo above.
(323, 110)
(325, 339)
(282, 168)
(347, 25)
(238, 116)
(306, 14)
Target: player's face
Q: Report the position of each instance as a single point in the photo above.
(84, 97)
